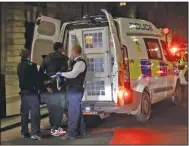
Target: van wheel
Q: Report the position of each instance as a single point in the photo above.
(145, 108)
(177, 96)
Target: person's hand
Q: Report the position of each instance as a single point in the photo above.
(58, 74)
(49, 89)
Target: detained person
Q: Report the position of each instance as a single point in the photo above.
(54, 98)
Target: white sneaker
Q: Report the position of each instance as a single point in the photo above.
(35, 137)
(54, 132)
(61, 132)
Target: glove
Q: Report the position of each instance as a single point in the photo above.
(58, 74)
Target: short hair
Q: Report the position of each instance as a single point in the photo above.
(57, 45)
(25, 53)
(77, 49)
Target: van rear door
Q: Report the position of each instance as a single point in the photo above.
(46, 32)
(97, 54)
(118, 71)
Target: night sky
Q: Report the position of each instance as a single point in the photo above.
(176, 16)
(173, 15)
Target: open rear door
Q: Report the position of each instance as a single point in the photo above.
(118, 80)
(47, 31)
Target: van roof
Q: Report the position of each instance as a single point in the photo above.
(132, 26)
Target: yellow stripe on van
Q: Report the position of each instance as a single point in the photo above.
(135, 68)
(155, 68)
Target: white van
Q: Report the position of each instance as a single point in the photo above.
(127, 71)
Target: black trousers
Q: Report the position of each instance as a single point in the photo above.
(30, 103)
(56, 103)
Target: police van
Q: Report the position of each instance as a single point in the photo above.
(183, 65)
(127, 71)
(181, 60)
(178, 55)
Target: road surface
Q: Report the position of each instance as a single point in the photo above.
(168, 125)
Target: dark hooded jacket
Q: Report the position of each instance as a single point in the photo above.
(53, 63)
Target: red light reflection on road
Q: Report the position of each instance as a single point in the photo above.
(135, 136)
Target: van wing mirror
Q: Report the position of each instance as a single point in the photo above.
(43, 56)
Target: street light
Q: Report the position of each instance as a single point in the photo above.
(166, 31)
(122, 4)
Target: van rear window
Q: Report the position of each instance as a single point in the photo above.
(93, 40)
(153, 48)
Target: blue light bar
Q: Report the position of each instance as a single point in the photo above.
(100, 16)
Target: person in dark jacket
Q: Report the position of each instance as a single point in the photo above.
(28, 83)
(55, 98)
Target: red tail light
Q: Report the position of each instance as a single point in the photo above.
(127, 84)
(125, 93)
(174, 50)
(125, 96)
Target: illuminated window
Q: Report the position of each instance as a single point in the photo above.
(96, 88)
(95, 64)
(93, 40)
(153, 49)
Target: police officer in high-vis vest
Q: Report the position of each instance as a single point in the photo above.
(29, 85)
(75, 82)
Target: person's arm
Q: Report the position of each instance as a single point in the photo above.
(42, 66)
(78, 68)
(65, 64)
(36, 75)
